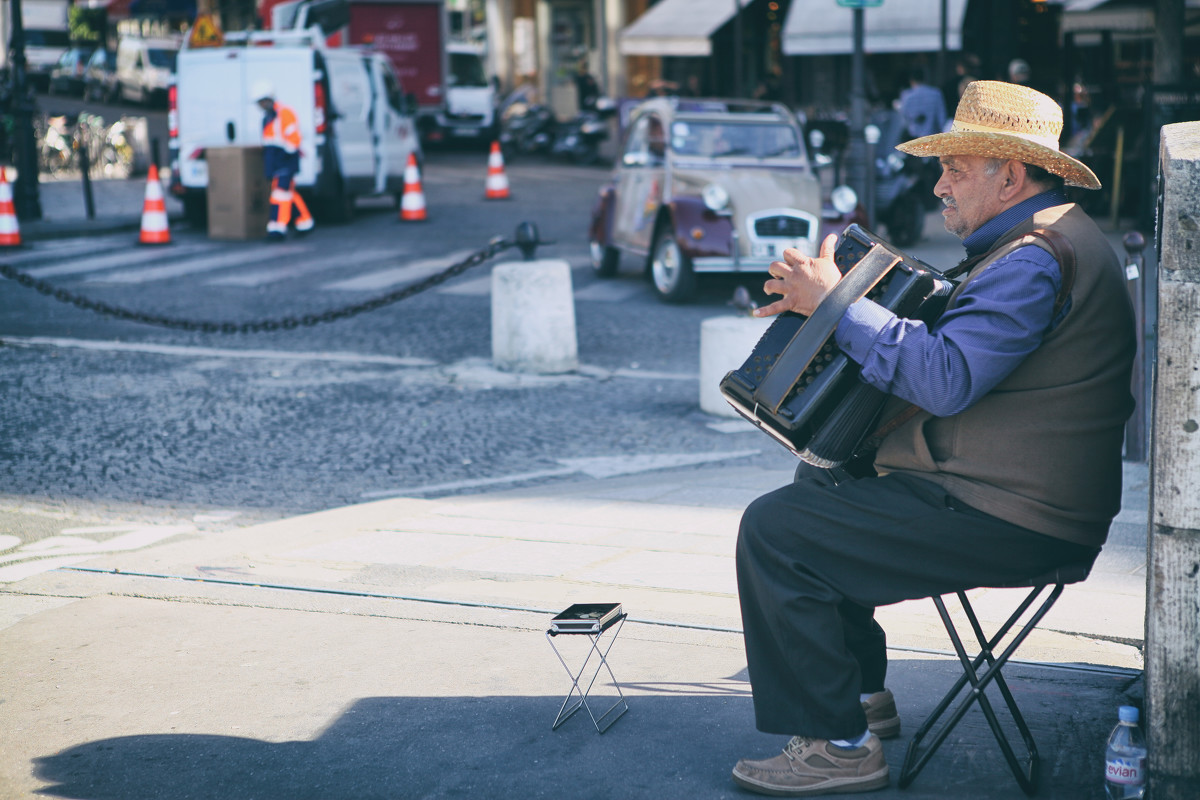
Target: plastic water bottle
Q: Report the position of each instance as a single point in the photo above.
(1125, 758)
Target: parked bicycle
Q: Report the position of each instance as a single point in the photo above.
(64, 138)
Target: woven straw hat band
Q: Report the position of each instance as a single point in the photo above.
(1050, 142)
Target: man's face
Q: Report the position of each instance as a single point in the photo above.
(266, 104)
(971, 197)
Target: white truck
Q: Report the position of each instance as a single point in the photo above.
(46, 37)
(470, 112)
(357, 128)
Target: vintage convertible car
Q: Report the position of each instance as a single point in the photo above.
(712, 186)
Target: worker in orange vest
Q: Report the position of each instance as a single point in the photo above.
(281, 162)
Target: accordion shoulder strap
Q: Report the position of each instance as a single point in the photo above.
(1064, 253)
(812, 335)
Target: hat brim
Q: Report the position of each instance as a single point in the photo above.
(1001, 145)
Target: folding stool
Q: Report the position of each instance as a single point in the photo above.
(1026, 773)
(565, 713)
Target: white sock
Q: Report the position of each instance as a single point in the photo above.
(865, 696)
(850, 744)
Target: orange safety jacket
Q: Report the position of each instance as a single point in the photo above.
(282, 130)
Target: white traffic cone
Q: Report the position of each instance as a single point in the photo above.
(412, 203)
(496, 187)
(10, 232)
(154, 212)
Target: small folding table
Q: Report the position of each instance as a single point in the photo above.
(600, 647)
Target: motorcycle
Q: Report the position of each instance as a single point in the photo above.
(578, 140)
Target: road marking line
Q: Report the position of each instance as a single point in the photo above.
(178, 269)
(121, 259)
(408, 273)
(213, 352)
(296, 269)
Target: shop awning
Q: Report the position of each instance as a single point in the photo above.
(676, 28)
(822, 27)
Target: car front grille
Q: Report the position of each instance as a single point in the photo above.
(791, 227)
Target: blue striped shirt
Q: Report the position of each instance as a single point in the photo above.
(998, 319)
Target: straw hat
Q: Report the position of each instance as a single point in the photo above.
(1003, 120)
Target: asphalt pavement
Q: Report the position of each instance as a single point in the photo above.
(398, 648)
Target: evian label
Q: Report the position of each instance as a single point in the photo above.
(1124, 770)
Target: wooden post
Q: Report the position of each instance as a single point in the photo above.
(1173, 557)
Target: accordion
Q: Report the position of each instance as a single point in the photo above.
(799, 387)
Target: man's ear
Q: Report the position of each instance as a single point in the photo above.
(1014, 180)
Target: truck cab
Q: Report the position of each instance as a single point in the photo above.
(470, 111)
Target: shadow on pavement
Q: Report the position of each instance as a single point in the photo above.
(678, 746)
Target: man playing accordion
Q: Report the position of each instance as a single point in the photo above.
(1009, 466)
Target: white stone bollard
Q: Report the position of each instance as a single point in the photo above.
(533, 317)
(725, 344)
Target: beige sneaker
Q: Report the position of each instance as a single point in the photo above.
(814, 766)
(882, 718)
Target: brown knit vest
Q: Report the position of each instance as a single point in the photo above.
(1043, 449)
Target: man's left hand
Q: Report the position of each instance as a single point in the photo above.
(802, 281)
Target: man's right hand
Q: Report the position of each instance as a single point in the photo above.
(803, 281)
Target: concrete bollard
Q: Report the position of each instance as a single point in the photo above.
(725, 344)
(533, 317)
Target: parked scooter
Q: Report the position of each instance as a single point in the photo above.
(526, 128)
(578, 140)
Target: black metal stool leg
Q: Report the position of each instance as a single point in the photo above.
(916, 758)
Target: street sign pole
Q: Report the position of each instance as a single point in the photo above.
(858, 112)
(26, 202)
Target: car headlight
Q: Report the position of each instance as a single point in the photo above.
(715, 197)
(844, 199)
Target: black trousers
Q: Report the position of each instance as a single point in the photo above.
(815, 558)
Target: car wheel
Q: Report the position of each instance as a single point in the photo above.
(339, 207)
(605, 260)
(195, 210)
(671, 268)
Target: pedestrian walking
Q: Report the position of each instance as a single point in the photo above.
(281, 161)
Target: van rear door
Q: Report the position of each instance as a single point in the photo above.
(395, 127)
(350, 93)
(214, 108)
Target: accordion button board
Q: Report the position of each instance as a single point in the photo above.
(824, 409)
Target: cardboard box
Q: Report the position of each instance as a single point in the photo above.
(238, 193)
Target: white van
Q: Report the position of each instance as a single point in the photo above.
(356, 129)
(144, 68)
(470, 110)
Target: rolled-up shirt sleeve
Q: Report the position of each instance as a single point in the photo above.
(999, 318)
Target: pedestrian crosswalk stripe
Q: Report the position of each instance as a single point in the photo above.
(80, 266)
(217, 261)
(407, 273)
(293, 269)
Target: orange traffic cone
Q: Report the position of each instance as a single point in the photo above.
(412, 203)
(496, 187)
(10, 233)
(154, 212)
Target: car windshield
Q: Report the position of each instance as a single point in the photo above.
(732, 139)
(467, 69)
(162, 58)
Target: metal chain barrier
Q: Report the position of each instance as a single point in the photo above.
(526, 240)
